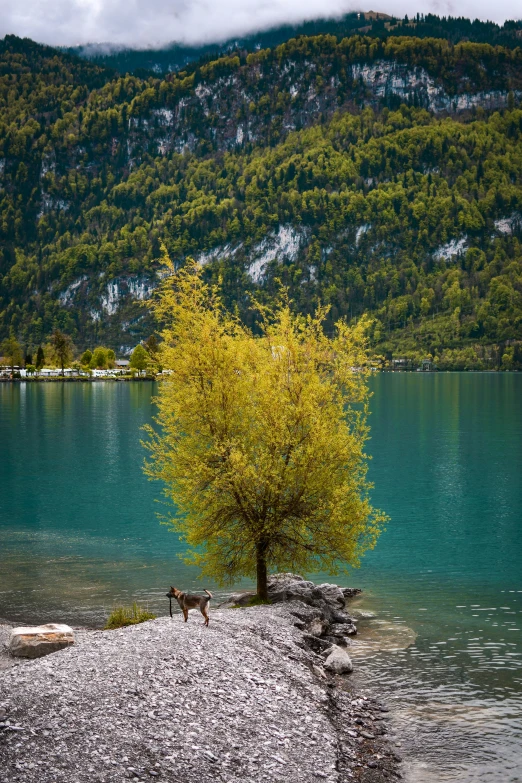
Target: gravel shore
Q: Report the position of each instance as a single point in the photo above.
(241, 701)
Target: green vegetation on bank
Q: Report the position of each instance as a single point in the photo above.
(122, 616)
(412, 217)
(60, 353)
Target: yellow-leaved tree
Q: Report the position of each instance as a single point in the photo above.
(261, 438)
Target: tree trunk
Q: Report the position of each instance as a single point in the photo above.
(261, 569)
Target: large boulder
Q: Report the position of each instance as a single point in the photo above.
(38, 640)
(338, 661)
(333, 595)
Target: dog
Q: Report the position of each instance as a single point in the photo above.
(187, 601)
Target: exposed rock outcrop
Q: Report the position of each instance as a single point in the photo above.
(291, 587)
(318, 609)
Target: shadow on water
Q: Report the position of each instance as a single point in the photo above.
(440, 635)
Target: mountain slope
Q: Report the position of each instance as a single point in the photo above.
(172, 58)
(375, 175)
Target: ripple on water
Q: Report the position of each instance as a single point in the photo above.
(456, 701)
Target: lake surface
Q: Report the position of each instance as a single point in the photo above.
(79, 534)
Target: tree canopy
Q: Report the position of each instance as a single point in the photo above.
(261, 438)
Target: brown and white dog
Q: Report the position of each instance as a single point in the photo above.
(187, 601)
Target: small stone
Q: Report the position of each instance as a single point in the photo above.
(338, 661)
(367, 735)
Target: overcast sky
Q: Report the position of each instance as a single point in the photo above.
(144, 23)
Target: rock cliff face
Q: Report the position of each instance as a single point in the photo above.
(230, 112)
(244, 700)
(391, 79)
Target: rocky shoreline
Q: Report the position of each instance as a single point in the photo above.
(248, 699)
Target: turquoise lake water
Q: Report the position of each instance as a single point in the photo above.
(78, 534)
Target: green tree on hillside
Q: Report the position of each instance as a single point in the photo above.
(62, 348)
(152, 346)
(139, 359)
(12, 351)
(99, 359)
(40, 358)
(261, 446)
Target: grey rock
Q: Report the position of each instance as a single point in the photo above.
(342, 629)
(332, 594)
(283, 578)
(304, 612)
(315, 643)
(341, 641)
(110, 707)
(350, 592)
(317, 627)
(36, 641)
(328, 598)
(342, 617)
(338, 661)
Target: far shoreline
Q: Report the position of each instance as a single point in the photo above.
(156, 378)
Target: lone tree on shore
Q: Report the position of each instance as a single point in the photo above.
(261, 439)
(62, 348)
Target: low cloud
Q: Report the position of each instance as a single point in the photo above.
(151, 23)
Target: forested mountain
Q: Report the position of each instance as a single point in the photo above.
(379, 175)
(176, 56)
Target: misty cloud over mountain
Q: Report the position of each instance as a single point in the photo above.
(143, 23)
